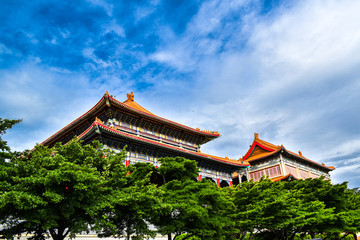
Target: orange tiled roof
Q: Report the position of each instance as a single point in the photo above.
(130, 102)
(266, 147)
(262, 155)
(134, 105)
(283, 177)
(264, 143)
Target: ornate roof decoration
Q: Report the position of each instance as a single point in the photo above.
(130, 96)
(208, 131)
(131, 103)
(97, 120)
(106, 96)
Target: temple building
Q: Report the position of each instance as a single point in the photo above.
(280, 164)
(149, 137)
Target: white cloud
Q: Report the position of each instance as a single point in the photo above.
(347, 174)
(104, 4)
(113, 27)
(46, 100)
(144, 11)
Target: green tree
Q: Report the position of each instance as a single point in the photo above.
(132, 205)
(178, 168)
(6, 168)
(5, 152)
(189, 208)
(345, 203)
(60, 190)
(195, 209)
(289, 212)
(271, 210)
(141, 201)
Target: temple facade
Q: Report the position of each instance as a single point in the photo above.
(148, 137)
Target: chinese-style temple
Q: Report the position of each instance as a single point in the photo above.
(149, 137)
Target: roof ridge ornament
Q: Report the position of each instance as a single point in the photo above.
(207, 131)
(256, 135)
(97, 120)
(130, 96)
(300, 153)
(106, 95)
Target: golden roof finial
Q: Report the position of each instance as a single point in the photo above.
(107, 93)
(130, 96)
(256, 135)
(300, 153)
(97, 120)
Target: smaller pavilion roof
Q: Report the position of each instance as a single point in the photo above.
(287, 177)
(261, 149)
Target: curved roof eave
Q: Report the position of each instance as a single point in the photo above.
(308, 160)
(283, 177)
(99, 104)
(292, 154)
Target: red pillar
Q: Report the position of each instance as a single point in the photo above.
(218, 182)
(199, 178)
(127, 163)
(231, 184)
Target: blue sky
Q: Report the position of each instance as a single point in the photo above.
(288, 70)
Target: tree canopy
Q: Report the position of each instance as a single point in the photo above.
(68, 189)
(296, 209)
(58, 191)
